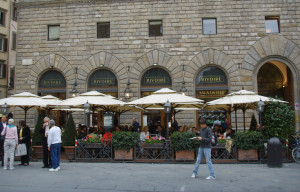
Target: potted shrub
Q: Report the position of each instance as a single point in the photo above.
(68, 140)
(123, 144)
(248, 144)
(278, 120)
(37, 148)
(184, 146)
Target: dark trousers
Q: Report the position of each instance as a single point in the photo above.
(25, 158)
(46, 155)
(1, 150)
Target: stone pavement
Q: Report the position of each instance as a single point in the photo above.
(143, 177)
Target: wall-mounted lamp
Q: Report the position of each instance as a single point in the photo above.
(155, 64)
(211, 62)
(74, 91)
(128, 92)
(183, 90)
(239, 65)
(101, 65)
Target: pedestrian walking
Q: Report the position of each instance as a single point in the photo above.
(46, 154)
(3, 124)
(204, 149)
(24, 138)
(10, 143)
(54, 145)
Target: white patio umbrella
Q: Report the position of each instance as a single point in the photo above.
(51, 102)
(160, 97)
(242, 99)
(25, 101)
(96, 100)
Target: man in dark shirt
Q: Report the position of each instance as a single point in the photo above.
(135, 125)
(46, 155)
(174, 124)
(204, 149)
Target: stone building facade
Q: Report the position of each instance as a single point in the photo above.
(239, 47)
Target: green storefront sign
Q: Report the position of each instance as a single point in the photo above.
(102, 78)
(156, 77)
(52, 79)
(211, 76)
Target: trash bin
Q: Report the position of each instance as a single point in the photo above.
(274, 152)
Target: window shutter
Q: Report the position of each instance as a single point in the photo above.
(5, 45)
(4, 71)
(3, 18)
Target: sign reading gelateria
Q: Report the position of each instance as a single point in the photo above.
(102, 78)
(156, 77)
(211, 76)
(52, 79)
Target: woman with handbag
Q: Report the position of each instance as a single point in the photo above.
(24, 138)
(10, 143)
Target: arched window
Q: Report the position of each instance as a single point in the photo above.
(270, 81)
(154, 79)
(52, 82)
(105, 81)
(211, 83)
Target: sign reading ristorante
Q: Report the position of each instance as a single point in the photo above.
(52, 79)
(102, 78)
(156, 77)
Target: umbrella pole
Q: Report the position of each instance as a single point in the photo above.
(244, 119)
(235, 121)
(25, 114)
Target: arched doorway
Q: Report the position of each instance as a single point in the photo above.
(211, 84)
(275, 79)
(52, 82)
(153, 80)
(104, 81)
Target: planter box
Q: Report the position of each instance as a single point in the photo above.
(246, 155)
(93, 145)
(70, 152)
(37, 152)
(153, 145)
(185, 156)
(123, 155)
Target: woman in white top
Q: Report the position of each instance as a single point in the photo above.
(144, 133)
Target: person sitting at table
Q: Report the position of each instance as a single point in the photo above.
(228, 134)
(82, 132)
(216, 130)
(118, 129)
(144, 133)
(180, 129)
(160, 131)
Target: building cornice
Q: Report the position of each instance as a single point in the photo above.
(48, 3)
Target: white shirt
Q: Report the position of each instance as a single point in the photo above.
(54, 136)
(142, 136)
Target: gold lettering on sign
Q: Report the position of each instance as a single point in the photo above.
(155, 80)
(102, 81)
(52, 82)
(211, 79)
(212, 92)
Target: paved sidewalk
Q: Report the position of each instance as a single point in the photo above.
(142, 177)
